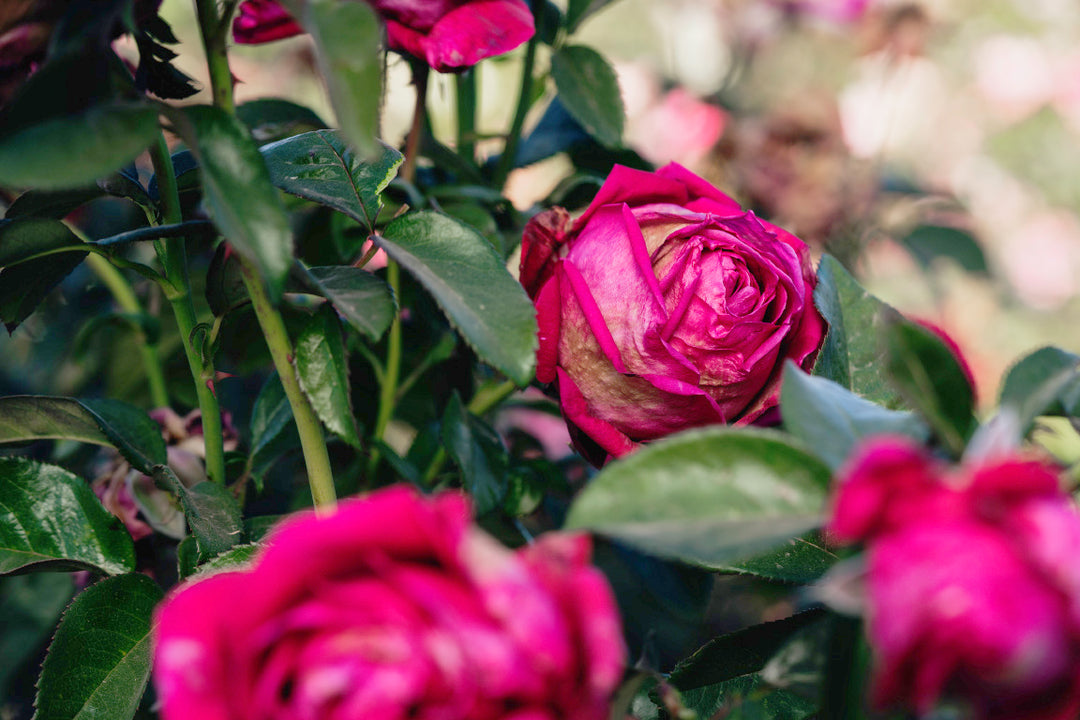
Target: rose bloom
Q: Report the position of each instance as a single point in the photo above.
(450, 35)
(973, 585)
(395, 606)
(665, 306)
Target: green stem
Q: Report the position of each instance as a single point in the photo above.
(214, 31)
(420, 72)
(320, 475)
(177, 287)
(465, 86)
(485, 399)
(125, 297)
(506, 161)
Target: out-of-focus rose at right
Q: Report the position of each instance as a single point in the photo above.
(972, 583)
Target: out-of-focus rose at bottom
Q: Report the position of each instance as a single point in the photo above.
(972, 585)
(394, 606)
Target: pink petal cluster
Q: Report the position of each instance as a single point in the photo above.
(450, 35)
(393, 607)
(665, 306)
(973, 581)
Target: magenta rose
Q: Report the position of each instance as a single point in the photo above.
(972, 581)
(450, 35)
(665, 306)
(395, 606)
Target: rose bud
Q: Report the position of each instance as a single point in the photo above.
(665, 306)
(972, 585)
(450, 35)
(395, 606)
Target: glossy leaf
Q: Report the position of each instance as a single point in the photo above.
(928, 243)
(478, 452)
(211, 511)
(346, 38)
(131, 431)
(99, 661)
(364, 300)
(1040, 384)
(238, 194)
(833, 420)
(35, 255)
(578, 10)
(323, 371)
(31, 238)
(50, 519)
(748, 698)
(70, 151)
(54, 204)
(589, 89)
(30, 605)
(707, 496)
(851, 355)
(800, 560)
(320, 167)
(472, 286)
(273, 431)
(235, 558)
(272, 119)
(932, 381)
(739, 653)
(225, 289)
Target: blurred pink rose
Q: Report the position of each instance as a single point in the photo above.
(451, 35)
(837, 11)
(395, 606)
(973, 583)
(678, 128)
(665, 306)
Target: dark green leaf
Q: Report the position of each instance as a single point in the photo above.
(35, 255)
(347, 37)
(852, 355)
(102, 422)
(235, 558)
(748, 698)
(30, 605)
(99, 661)
(364, 300)
(799, 560)
(323, 371)
(225, 289)
(589, 89)
(73, 150)
(258, 527)
(212, 513)
(707, 496)
(927, 243)
(578, 10)
(187, 557)
(478, 453)
(932, 380)
(1037, 384)
(319, 166)
(833, 420)
(739, 653)
(238, 193)
(472, 286)
(54, 204)
(273, 431)
(31, 238)
(50, 519)
(272, 119)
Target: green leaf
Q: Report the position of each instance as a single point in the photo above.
(70, 151)
(24, 418)
(927, 243)
(932, 380)
(706, 496)
(50, 519)
(99, 661)
(235, 558)
(30, 605)
(589, 89)
(347, 37)
(320, 167)
(238, 194)
(212, 513)
(364, 300)
(739, 653)
(1038, 384)
(472, 286)
(225, 289)
(272, 119)
(748, 698)
(323, 372)
(578, 10)
(273, 431)
(800, 560)
(35, 255)
(478, 452)
(851, 355)
(833, 420)
(54, 204)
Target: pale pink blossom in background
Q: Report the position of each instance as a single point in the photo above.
(1014, 74)
(678, 128)
(1043, 258)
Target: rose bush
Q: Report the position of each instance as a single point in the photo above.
(973, 589)
(450, 35)
(393, 607)
(665, 306)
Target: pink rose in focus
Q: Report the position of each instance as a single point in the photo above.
(665, 306)
(394, 606)
(973, 589)
(450, 35)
